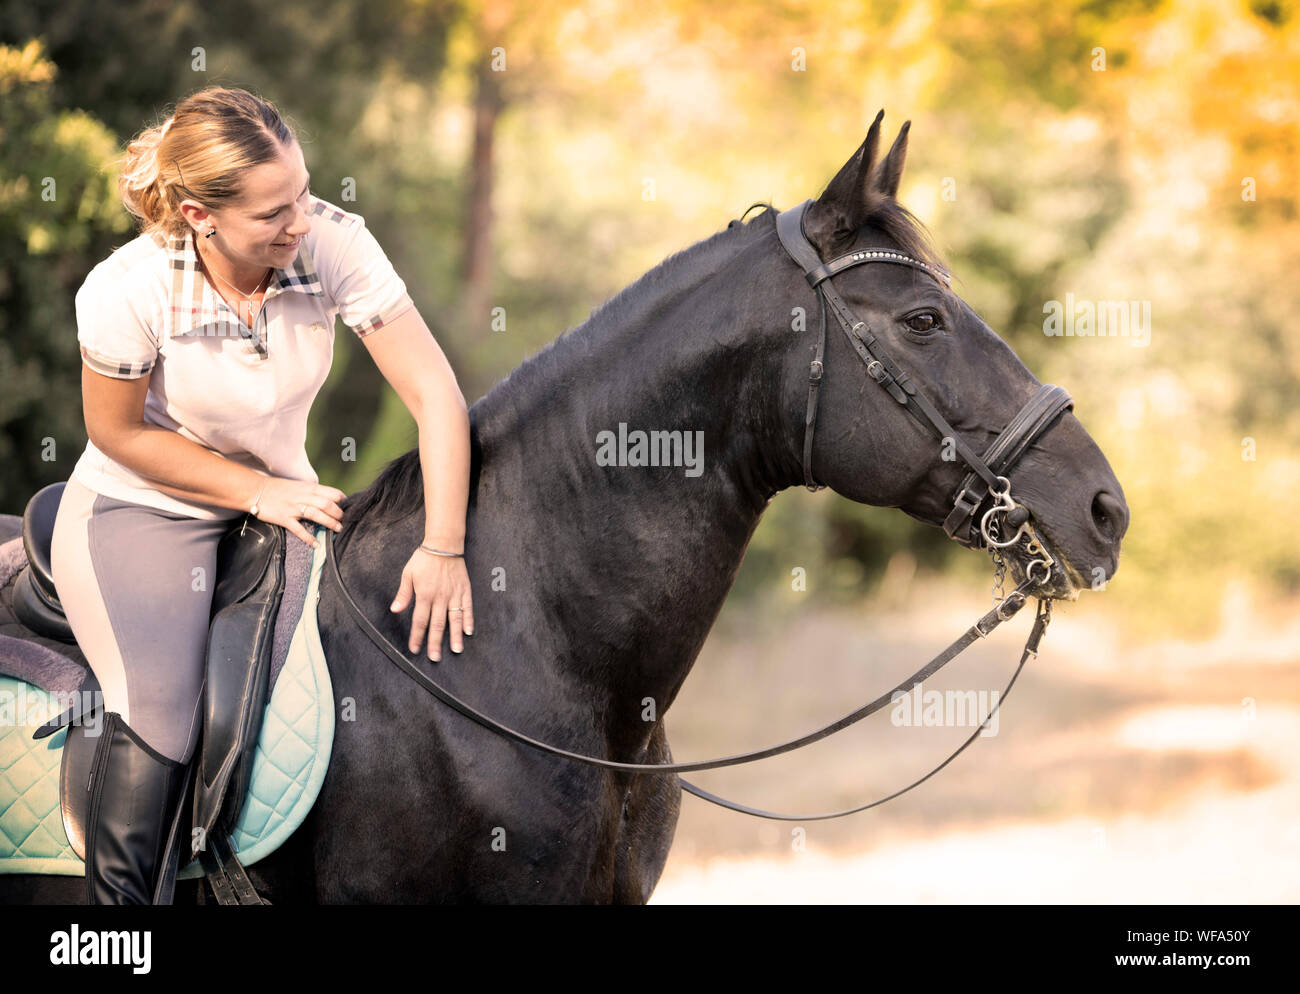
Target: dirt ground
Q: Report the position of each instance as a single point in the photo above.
(1162, 772)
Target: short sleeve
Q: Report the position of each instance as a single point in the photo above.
(367, 289)
(113, 330)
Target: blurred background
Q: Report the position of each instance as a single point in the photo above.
(1133, 151)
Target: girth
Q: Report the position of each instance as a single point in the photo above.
(986, 476)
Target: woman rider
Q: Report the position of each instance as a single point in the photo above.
(204, 342)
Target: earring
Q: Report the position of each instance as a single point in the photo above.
(210, 233)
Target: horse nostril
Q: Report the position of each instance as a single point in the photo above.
(1110, 515)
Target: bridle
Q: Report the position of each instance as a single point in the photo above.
(983, 481)
(985, 478)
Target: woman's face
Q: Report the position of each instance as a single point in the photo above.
(265, 226)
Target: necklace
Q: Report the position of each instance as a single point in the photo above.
(247, 298)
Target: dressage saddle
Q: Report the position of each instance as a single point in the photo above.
(249, 584)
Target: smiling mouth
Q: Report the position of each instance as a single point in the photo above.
(292, 244)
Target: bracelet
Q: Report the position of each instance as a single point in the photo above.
(256, 500)
(439, 552)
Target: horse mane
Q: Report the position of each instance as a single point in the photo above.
(398, 490)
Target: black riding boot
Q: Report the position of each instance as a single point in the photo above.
(132, 820)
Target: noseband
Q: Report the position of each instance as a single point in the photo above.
(986, 477)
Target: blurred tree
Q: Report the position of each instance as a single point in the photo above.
(58, 214)
(1116, 149)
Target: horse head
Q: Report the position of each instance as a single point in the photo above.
(914, 335)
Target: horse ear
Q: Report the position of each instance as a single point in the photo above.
(884, 179)
(844, 205)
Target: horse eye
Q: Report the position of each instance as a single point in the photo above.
(922, 322)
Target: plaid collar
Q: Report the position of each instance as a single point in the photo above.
(197, 308)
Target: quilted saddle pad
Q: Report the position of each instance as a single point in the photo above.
(293, 753)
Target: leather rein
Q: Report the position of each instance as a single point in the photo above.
(980, 484)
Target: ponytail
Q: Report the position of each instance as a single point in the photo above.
(138, 181)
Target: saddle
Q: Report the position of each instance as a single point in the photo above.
(249, 584)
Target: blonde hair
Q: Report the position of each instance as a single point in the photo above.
(200, 152)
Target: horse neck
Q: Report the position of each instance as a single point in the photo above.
(634, 562)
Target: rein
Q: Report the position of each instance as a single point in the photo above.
(1009, 607)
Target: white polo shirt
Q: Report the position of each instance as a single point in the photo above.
(241, 392)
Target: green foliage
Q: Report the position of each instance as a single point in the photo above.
(1095, 147)
(58, 214)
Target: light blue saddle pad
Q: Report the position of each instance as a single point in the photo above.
(293, 753)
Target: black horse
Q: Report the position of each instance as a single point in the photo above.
(596, 585)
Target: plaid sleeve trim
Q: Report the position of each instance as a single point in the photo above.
(108, 366)
(377, 321)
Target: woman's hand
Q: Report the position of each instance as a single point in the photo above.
(441, 588)
(285, 502)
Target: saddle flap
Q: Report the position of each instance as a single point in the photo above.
(238, 660)
(243, 554)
